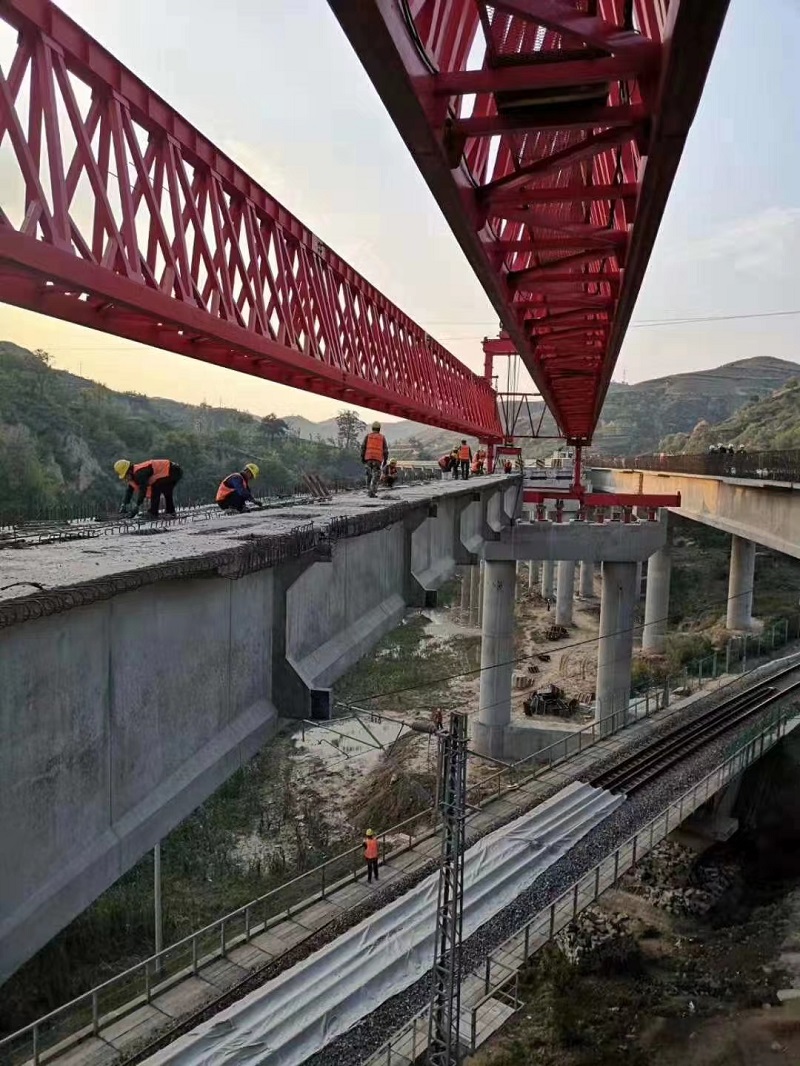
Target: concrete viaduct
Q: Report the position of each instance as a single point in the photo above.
(144, 670)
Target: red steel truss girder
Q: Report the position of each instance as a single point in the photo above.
(569, 95)
(188, 253)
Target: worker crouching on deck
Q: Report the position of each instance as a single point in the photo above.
(371, 854)
(150, 480)
(389, 475)
(234, 490)
(374, 453)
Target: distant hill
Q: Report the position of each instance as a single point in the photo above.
(60, 435)
(636, 418)
(772, 423)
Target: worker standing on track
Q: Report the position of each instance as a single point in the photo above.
(371, 854)
(234, 490)
(464, 458)
(455, 463)
(374, 453)
(151, 480)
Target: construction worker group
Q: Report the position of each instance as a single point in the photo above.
(154, 478)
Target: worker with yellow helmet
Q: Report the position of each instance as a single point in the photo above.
(371, 854)
(234, 490)
(150, 480)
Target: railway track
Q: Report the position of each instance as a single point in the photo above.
(640, 768)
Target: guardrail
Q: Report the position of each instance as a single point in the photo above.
(501, 967)
(781, 466)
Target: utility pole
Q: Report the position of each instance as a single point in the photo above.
(445, 1009)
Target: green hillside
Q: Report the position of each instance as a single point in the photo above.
(60, 435)
(636, 418)
(772, 423)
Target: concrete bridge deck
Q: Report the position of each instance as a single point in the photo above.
(761, 511)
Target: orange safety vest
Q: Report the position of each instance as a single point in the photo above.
(160, 471)
(374, 448)
(370, 847)
(463, 451)
(225, 490)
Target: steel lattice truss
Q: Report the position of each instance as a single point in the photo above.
(120, 216)
(549, 131)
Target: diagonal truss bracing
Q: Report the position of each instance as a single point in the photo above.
(549, 131)
(119, 215)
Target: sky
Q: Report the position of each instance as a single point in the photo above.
(278, 87)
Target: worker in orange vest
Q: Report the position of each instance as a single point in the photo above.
(374, 453)
(371, 854)
(464, 458)
(234, 490)
(151, 480)
(478, 461)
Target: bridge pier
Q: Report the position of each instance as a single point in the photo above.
(548, 574)
(565, 591)
(615, 643)
(656, 604)
(586, 580)
(740, 584)
(533, 573)
(497, 653)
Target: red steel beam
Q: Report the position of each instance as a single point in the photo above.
(541, 125)
(129, 221)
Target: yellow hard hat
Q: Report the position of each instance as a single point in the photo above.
(370, 833)
(376, 426)
(121, 468)
(252, 469)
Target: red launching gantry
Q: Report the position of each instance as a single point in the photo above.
(549, 132)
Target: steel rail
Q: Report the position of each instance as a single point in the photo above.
(642, 767)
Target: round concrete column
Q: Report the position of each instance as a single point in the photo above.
(566, 588)
(548, 572)
(615, 644)
(656, 603)
(474, 596)
(586, 580)
(497, 653)
(740, 584)
(533, 573)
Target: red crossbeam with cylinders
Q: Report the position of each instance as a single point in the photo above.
(549, 131)
(122, 217)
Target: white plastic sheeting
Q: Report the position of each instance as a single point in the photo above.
(293, 1016)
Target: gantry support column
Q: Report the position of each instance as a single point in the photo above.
(548, 571)
(586, 580)
(497, 653)
(740, 584)
(566, 589)
(656, 604)
(615, 644)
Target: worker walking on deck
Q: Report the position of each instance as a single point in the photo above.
(374, 453)
(234, 490)
(371, 854)
(150, 480)
(464, 459)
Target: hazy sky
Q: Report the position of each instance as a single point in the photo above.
(278, 87)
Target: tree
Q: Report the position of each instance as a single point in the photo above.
(274, 428)
(349, 430)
